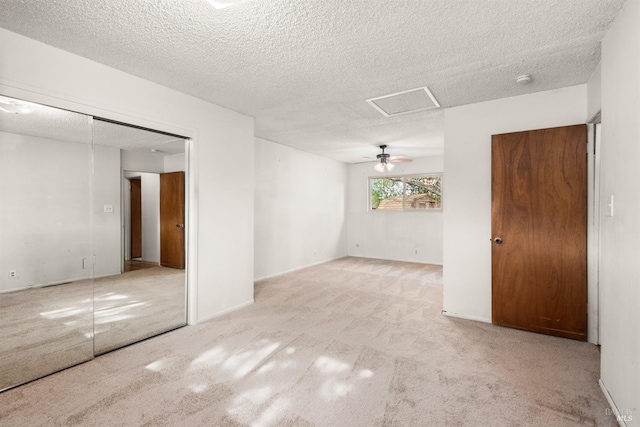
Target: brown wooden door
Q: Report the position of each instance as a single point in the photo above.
(539, 212)
(172, 219)
(136, 217)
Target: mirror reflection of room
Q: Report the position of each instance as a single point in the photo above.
(46, 291)
(71, 287)
(151, 177)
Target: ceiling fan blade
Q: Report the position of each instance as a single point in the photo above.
(398, 156)
(401, 160)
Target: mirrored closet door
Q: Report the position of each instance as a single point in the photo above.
(46, 268)
(139, 292)
(70, 286)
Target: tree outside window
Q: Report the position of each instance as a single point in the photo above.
(399, 193)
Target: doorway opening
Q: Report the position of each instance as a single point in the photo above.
(154, 220)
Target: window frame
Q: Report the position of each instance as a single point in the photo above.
(403, 178)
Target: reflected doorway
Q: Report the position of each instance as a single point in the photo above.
(135, 215)
(154, 220)
(141, 212)
(134, 261)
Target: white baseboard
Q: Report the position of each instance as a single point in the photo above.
(115, 273)
(417, 261)
(466, 317)
(223, 312)
(60, 282)
(291, 270)
(614, 408)
(46, 285)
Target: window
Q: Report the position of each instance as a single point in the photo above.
(403, 193)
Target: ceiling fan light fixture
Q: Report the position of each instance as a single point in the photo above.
(386, 160)
(14, 106)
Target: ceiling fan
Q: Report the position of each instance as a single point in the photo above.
(386, 160)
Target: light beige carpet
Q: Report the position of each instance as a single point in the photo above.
(137, 305)
(353, 342)
(46, 329)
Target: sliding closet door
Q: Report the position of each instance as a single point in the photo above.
(46, 257)
(69, 289)
(135, 296)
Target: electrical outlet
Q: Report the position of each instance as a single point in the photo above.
(416, 252)
(13, 274)
(108, 208)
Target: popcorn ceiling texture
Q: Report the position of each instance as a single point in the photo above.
(303, 69)
(54, 123)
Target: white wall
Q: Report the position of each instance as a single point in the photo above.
(389, 234)
(467, 186)
(299, 209)
(174, 163)
(150, 217)
(594, 92)
(46, 188)
(620, 234)
(45, 219)
(143, 162)
(221, 276)
(107, 234)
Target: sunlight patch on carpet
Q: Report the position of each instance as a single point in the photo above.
(365, 373)
(333, 389)
(245, 362)
(329, 365)
(209, 358)
(198, 388)
(155, 366)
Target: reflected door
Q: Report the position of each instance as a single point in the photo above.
(172, 220)
(136, 217)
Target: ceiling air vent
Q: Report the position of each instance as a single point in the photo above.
(408, 101)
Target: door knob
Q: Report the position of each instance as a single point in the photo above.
(498, 240)
(180, 225)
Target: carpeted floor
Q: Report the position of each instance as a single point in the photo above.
(353, 342)
(45, 329)
(137, 305)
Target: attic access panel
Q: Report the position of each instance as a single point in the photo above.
(405, 102)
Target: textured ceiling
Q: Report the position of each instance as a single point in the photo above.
(304, 68)
(134, 139)
(47, 122)
(54, 123)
